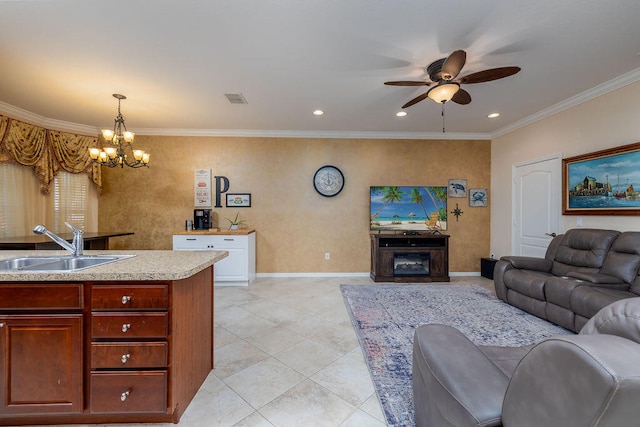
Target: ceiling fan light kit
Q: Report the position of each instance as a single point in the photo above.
(443, 92)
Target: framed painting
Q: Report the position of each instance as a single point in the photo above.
(239, 200)
(457, 188)
(604, 182)
(478, 197)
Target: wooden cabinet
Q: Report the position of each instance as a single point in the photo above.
(41, 353)
(410, 258)
(238, 268)
(104, 352)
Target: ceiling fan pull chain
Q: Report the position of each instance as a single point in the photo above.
(443, 117)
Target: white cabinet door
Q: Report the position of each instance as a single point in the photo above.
(238, 268)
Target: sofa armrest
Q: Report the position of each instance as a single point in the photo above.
(529, 263)
(576, 380)
(454, 380)
(596, 278)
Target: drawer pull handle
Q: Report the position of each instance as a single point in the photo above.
(126, 327)
(192, 239)
(126, 299)
(124, 395)
(2, 325)
(125, 358)
(229, 240)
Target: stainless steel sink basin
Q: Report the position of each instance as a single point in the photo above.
(58, 263)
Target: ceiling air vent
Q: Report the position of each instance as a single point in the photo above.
(236, 98)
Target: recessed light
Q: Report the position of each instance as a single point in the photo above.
(318, 112)
(493, 115)
(401, 113)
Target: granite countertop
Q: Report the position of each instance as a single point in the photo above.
(145, 265)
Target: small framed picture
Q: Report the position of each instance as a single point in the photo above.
(478, 197)
(457, 188)
(238, 200)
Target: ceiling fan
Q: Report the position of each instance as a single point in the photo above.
(443, 73)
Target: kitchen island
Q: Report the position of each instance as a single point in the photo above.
(127, 341)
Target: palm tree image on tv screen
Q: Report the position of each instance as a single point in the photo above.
(408, 208)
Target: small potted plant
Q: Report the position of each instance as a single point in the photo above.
(236, 222)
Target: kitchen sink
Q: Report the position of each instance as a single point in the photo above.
(57, 263)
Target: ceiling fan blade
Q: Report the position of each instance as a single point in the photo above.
(407, 83)
(461, 97)
(489, 75)
(453, 64)
(416, 100)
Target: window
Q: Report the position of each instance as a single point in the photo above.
(73, 199)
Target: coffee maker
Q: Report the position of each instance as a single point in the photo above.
(201, 219)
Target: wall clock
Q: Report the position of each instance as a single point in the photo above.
(328, 181)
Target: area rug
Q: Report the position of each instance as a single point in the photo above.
(385, 317)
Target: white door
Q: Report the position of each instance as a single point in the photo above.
(536, 205)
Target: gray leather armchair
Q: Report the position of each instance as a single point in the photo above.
(590, 379)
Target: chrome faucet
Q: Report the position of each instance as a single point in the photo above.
(75, 248)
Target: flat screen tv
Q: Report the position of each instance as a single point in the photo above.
(408, 208)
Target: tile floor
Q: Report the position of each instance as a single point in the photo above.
(287, 355)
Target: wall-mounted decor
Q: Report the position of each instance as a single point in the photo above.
(202, 187)
(457, 188)
(328, 181)
(478, 197)
(408, 208)
(238, 200)
(603, 182)
(457, 212)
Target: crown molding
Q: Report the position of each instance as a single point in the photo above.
(307, 134)
(602, 89)
(38, 120)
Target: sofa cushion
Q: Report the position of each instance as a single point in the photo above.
(527, 282)
(623, 259)
(583, 247)
(558, 290)
(588, 300)
(621, 318)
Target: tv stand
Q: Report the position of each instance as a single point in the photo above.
(410, 258)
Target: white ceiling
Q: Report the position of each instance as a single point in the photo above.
(175, 60)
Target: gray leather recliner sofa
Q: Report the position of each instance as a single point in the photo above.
(590, 379)
(583, 271)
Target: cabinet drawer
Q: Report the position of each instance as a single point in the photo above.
(193, 243)
(40, 296)
(129, 325)
(128, 392)
(224, 242)
(129, 355)
(141, 297)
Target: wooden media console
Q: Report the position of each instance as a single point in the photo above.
(410, 257)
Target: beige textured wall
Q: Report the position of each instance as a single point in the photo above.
(295, 225)
(608, 121)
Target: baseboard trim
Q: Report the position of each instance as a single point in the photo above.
(459, 273)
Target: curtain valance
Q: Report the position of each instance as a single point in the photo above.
(47, 151)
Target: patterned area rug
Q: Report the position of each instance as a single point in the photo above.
(385, 317)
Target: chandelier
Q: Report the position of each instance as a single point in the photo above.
(122, 142)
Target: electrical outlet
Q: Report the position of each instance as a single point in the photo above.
(327, 255)
(579, 221)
